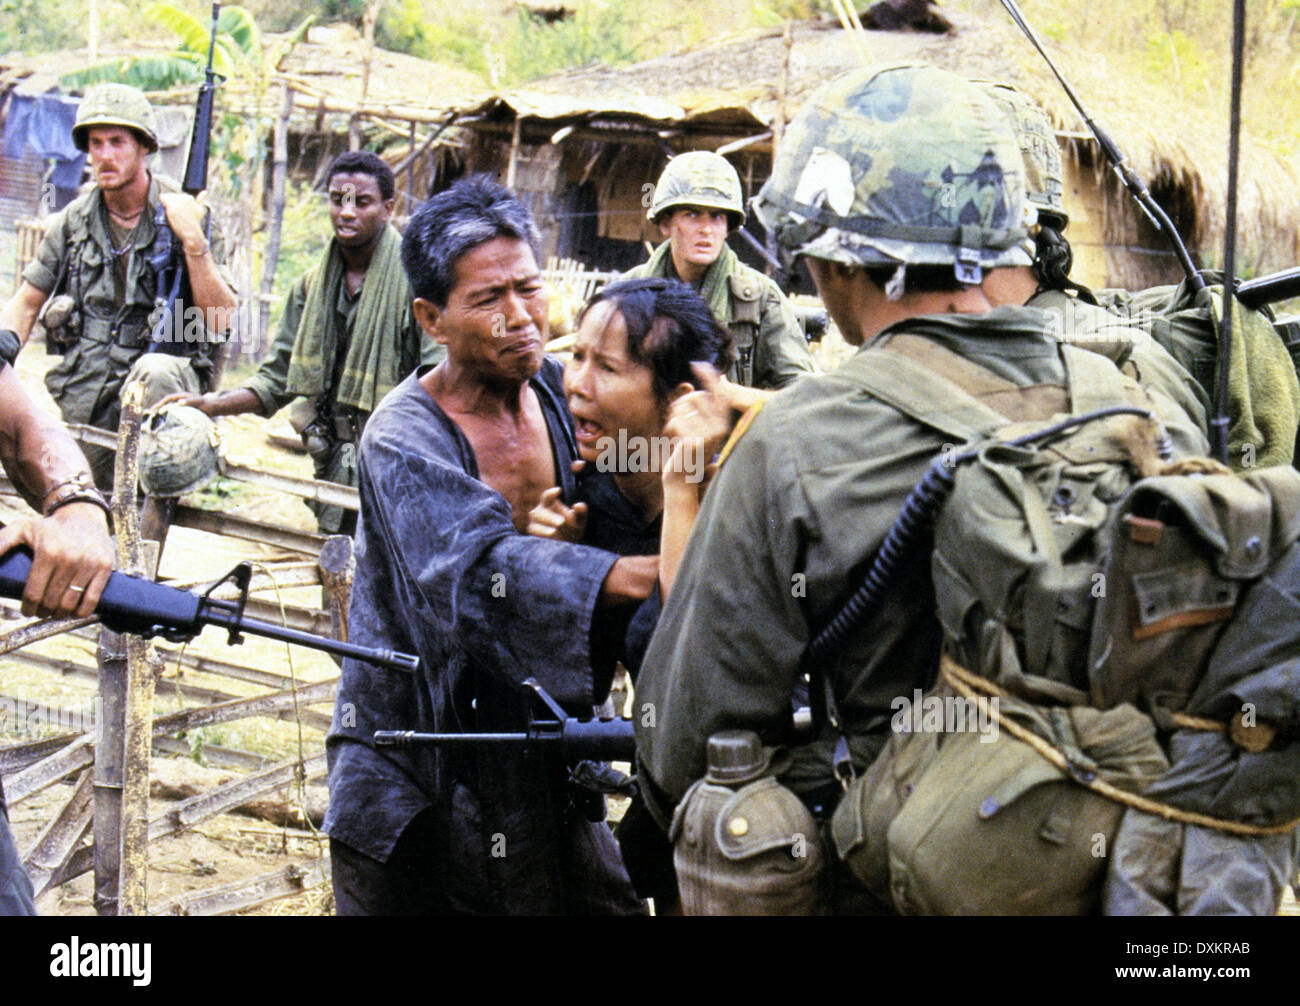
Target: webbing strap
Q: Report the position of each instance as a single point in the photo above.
(920, 392)
(970, 685)
(966, 236)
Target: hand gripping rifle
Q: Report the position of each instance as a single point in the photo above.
(141, 607)
(168, 258)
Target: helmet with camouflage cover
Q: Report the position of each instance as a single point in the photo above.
(699, 178)
(115, 105)
(1044, 177)
(900, 165)
(180, 451)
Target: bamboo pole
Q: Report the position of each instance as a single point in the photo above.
(271, 254)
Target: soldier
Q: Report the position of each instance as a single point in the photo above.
(1164, 341)
(1047, 284)
(696, 204)
(902, 189)
(93, 277)
(347, 335)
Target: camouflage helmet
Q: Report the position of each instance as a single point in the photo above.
(115, 105)
(900, 165)
(699, 178)
(1044, 177)
(180, 451)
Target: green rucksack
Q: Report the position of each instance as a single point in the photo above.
(1264, 392)
(1080, 591)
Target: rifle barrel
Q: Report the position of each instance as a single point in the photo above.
(1269, 289)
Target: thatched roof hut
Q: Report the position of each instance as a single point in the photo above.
(610, 130)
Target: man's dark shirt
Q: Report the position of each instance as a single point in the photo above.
(443, 573)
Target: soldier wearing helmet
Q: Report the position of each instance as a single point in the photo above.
(903, 190)
(1047, 285)
(91, 285)
(697, 203)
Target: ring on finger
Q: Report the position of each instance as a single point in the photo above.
(75, 589)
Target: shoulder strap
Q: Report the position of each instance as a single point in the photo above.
(920, 391)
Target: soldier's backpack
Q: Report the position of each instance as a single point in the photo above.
(1081, 596)
(1264, 390)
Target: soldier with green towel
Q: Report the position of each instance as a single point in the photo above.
(347, 335)
(1165, 336)
(91, 285)
(697, 203)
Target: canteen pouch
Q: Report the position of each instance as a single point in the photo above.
(956, 824)
(749, 851)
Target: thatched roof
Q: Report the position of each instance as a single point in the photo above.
(732, 89)
(324, 71)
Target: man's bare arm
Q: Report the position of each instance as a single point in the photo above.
(211, 294)
(20, 311)
(73, 553)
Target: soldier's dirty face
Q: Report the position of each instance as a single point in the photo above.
(607, 390)
(116, 156)
(697, 234)
(358, 212)
(494, 322)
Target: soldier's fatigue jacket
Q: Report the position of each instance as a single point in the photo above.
(1131, 348)
(87, 382)
(771, 350)
(783, 537)
(339, 463)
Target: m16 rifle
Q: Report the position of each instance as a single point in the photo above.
(574, 739)
(141, 607)
(168, 259)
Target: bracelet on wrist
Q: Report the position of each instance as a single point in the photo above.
(78, 489)
(200, 253)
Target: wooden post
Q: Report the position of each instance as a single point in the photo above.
(126, 677)
(271, 254)
(337, 565)
(367, 51)
(514, 156)
(410, 172)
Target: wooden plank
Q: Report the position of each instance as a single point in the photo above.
(49, 854)
(79, 753)
(46, 772)
(16, 757)
(233, 794)
(242, 895)
(214, 522)
(163, 686)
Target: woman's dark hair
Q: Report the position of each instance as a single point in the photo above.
(669, 327)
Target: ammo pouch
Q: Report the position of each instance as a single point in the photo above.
(743, 844)
(977, 822)
(746, 317)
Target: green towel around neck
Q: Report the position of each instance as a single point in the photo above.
(372, 366)
(713, 289)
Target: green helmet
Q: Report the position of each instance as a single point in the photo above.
(1044, 177)
(699, 178)
(900, 165)
(180, 451)
(115, 105)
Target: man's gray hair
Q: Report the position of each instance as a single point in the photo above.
(473, 211)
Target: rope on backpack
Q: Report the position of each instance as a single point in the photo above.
(969, 685)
